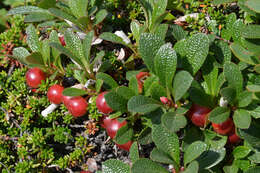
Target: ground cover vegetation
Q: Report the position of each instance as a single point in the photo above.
(134, 86)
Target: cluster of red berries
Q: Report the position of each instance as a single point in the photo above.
(77, 106)
(199, 117)
(111, 125)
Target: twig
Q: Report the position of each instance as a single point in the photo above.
(4, 167)
(11, 69)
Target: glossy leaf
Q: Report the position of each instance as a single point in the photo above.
(124, 134)
(197, 51)
(194, 151)
(134, 153)
(109, 82)
(115, 166)
(147, 166)
(78, 7)
(165, 63)
(32, 39)
(161, 157)
(166, 142)
(242, 54)
(181, 83)
(73, 92)
(149, 44)
(173, 122)
(142, 104)
(219, 115)
(233, 76)
(116, 102)
(253, 5)
(242, 119)
(100, 16)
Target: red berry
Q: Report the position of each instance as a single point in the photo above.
(85, 172)
(112, 126)
(125, 146)
(223, 128)
(77, 106)
(62, 41)
(232, 137)
(65, 100)
(165, 100)
(54, 94)
(102, 105)
(34, 77)
(199, 115)
(140, 76)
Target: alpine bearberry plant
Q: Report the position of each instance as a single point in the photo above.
(156, 86)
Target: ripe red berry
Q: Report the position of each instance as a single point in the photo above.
(223, 128)
(34, 77)
(140, 76)
(232, 137)
(54, 94)
(85, 172)
(102, 105)
(199, 115)
(77, 106)
(125, 146)
(65, 100)
(112, 126)
(62, 41)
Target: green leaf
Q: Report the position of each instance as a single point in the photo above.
(116, 102)
(124, 134)
(87, 45)
(177, 32)
(221, 51)
(194, 151)
(46, 4)
(251, 134)
(46, 51)
(32, 39)
(149, 44)
(145, 137)
(65, 51)
(228, 94)
(109, 82)
(26, 10)
(181, 83)
(241, 152)
(197, 51)
(161, 30)
(219, 115)
(199, 96)
(166, 142)
(112, 37)
(99, 84)
(136, 29)
(242, 54)
(236, 30)
(211, 157)
(192, 168)
(244, 99)
(230, 169)
(253, 5)
(38, 17)
(242, 164)
(142, 104)
(255, 169)
(125, 92)
(134, 153)
(253, 88)
(157, 91)
(63, 15)
(161, 157)
(100, 16)
(173, 122)
(73, 92)
(210, 75)
(254, 112)
(147, 166)
(73, 43)
(54, 38)
(20, 53)
(233, 76)
(35, 58)
(242, 119)
(78, 7)
(133, 85)
(165, 63)
(257, 68)
(115, 166)
(218, 2)
(213, 140)
(251, 31)
(255, 158)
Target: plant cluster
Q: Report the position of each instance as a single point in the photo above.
(188, 91)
